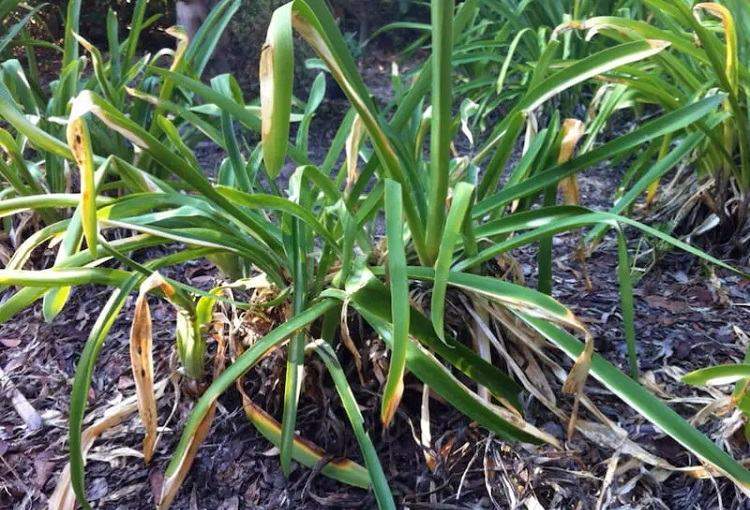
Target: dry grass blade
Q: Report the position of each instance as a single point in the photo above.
(63, 497)
(572, 132)
(346, 338)
(142, 361)
(577, 378)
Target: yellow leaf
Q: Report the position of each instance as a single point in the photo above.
(303, 451)
(142, 361)
(353, 141)
(730, 36)
(79, 141)
(572, 131)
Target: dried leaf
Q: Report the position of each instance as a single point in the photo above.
(63, 497)
(142, 361)
(353, 142)
(572, 131)
(349, 343)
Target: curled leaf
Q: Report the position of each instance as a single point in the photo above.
(79, 141)
(572, 131)
(578, 374)
(303, 451)
(142, 361)
(730, 35)
(276, 79)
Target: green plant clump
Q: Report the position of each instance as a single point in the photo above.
(316, 240)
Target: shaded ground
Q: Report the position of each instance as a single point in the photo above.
(686, 320)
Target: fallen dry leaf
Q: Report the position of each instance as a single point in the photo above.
(63, 498)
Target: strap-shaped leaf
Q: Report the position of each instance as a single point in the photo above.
(304, 451)
(79, 141)
(377, 476)
(88, 101)
(400, 308)
(236, 369)
(462, 195)
(142, 361)
(370, 298)
(667, 123)
(643, 401)
(578, 221)
(209, 34)
(276, 81)
(313, 21)
(55, 299)
(580, 71)
(718, 375)
(441, 132)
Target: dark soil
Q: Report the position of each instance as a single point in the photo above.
(686, 320)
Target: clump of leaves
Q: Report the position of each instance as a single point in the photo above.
(447, 221)
(713, 194)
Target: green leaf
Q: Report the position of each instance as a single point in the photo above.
(82, 382)
(718, 375)
(209, 34)
(440, 122)
(643, 401)
(462, 195)
(578, 221)
(399, 287)
(371, 299)
(667, 123)
(297, 255)
(243, 363)
(627, 306)
(377, 476)
(276, 82)
(16, 28)
(38, 138)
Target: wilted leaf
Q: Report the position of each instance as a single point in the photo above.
(572, 131)
(63, 497)
(79, 141)
(142, 361)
